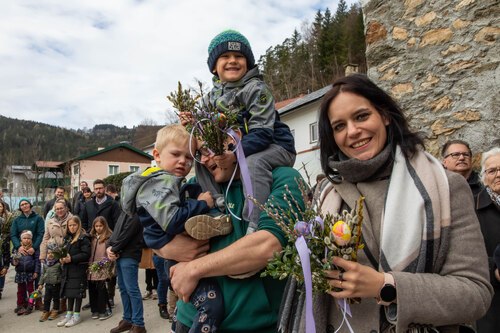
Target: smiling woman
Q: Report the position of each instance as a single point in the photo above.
(421, 243)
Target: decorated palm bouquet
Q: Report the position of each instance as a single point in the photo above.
(324, 235)
(206, 123)
(103, 268)
(59, 251)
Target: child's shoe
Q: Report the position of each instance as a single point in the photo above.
(53, 314)
(29, 310)
(21, 310)
(44, 316)
(204, 227)
(75, 320)
(105, 315)
(65, 320)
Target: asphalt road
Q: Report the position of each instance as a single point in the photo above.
(11, 322)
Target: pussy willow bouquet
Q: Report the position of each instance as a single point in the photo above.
(207, 123)
(59, 251)
(326, 236)
(103, 267)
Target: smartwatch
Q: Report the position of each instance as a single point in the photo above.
(387, 294)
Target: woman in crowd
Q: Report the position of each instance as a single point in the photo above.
(423, 265)
(55, 231)
(488, 212)
(81, 200)
(5, 222)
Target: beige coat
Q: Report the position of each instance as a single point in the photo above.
(460, 293)
(55, 232)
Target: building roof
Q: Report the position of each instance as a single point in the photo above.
(309, 98)
(118, 145)
(48, 164)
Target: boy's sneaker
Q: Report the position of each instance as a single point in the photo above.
(204, 227)
(105, 315)
(53, 314)
(95, 315)
(75, 320)
(147, 295)
(44, 316)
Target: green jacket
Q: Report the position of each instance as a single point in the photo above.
(252, 304)
(34, 223)
(51, 274)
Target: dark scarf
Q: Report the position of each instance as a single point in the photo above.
(355, 171)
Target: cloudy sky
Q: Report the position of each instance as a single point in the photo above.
(76, 64)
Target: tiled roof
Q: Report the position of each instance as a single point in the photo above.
(309, 98)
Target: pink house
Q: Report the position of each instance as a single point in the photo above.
(105, 162)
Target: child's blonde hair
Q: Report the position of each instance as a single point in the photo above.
(80, 230)
(107, 230)
(171, 133)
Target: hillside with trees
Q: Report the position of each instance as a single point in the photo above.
(23, 142)
(312, 59)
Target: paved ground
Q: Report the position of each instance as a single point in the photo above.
(10, 322)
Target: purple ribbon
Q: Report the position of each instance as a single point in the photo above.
(244, 173)
(303, 251)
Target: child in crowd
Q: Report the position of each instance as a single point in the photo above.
(101, 269)
(74, 271)
(27, 271)
(267, 142)
(51, 279)
(164, 202)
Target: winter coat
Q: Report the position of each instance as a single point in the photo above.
(28, 263)
(51, 274)
(126, 240)
(74, 274)
(55, 231)
(258, 119)
(98, 252)
(50, 204)
(109, 209)
(33, 223)
(162, 202)
(489, 220)
(5, 223)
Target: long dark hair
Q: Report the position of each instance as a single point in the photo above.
(398, 131)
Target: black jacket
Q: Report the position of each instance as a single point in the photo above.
(488, 215)
(49, 204)
(109, 209)
(127, 240)
(475, 183)
(74, 274)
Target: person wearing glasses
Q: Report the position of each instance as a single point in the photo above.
(457, 157)
(487, 204)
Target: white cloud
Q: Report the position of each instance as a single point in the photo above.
(79, 63)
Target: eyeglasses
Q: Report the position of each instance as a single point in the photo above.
(203, 151)
(492, 171)
(455, 156)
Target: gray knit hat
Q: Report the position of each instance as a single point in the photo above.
(227, 41)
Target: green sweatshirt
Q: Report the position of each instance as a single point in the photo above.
(251, 305)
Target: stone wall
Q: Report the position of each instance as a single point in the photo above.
(440, 59)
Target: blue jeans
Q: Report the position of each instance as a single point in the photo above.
(163, 283)
(127, 270)
(2, 282)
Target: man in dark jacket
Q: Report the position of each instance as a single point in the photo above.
(125, 246)
(58, 194)
(100, 205)
(105, 206)
(457, 157)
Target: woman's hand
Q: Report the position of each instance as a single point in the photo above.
(355, 280)
(65, 260)
(35, 275)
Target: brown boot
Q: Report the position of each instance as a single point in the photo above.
(44, 316)
(53, 314)
(62, 306)
(137, 329)
(123, 326)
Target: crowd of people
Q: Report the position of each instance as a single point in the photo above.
(430, 259)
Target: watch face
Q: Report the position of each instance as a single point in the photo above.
(388, 293)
